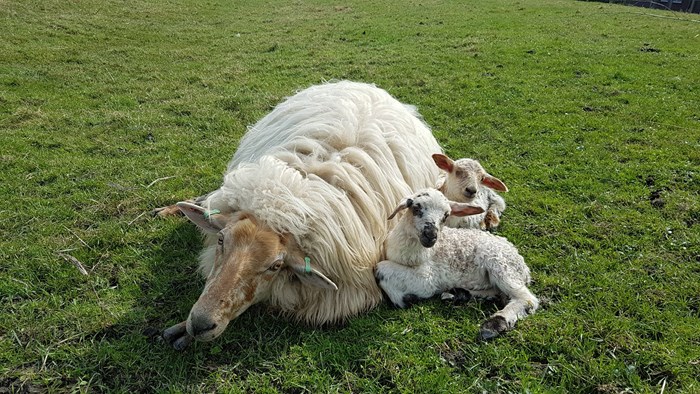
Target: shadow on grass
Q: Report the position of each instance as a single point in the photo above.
(131, 354)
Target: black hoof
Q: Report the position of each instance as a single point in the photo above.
(409, 300)
(177, 336)
(492, 328)
(459, 296)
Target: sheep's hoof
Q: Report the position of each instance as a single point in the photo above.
(177, 336)
(170, 210)
(492, 328)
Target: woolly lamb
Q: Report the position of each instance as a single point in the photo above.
(298, 223)
(466, 181)
(423, 261)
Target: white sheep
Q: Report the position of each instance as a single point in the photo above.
(466, 181)
(424, 259)
(298, 223)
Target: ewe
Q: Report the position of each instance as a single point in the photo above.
(298, 223)
(467, 181)
(423, 260)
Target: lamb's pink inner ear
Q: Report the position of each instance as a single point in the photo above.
(494, 183)
(443, 162)
(462, 209)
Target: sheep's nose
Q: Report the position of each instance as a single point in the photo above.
(469, 192)
(201, 324)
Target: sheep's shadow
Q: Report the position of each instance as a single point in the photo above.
(252, 343)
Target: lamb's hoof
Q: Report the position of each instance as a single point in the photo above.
(177, 336)
(456, 296)
(409, 300)
(491, 221)
(492, 328)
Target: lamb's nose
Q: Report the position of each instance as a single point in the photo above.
(429, 236)
(469, 192)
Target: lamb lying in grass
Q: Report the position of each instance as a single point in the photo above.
(466, 181)
(424, 259)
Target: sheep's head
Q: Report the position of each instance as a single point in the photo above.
(249, 257)
(464, 177)
(429, 211)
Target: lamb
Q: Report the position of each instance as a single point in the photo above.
(466, 181)
(298, 223)
(424, 259)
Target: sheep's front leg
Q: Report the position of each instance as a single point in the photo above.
(177, 336)
(522, 303)
(404, 285)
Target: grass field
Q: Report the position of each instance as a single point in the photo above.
(589, 112)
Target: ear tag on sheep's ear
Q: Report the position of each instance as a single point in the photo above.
(210, 221)
(207, 214)
(310, 275)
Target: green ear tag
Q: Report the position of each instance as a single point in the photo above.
(307, 268)
(207, 214)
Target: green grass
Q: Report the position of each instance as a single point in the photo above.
(587, 111)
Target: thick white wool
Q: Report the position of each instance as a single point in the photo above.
(328, 165)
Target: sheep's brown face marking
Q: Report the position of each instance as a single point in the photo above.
(248, 258)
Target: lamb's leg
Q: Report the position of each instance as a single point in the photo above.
(491, 220)
(177, 336)
(404, 285)
(522, 302)
(493, 213)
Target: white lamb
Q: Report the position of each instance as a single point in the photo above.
(466, 181)
(424, 259)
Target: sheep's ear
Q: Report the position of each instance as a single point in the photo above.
(494, 183)
(309, 275)
(444, 162)
(405, 203)
(462, 209)
(209, 221)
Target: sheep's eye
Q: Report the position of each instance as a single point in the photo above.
(276, 266)
(444, 218)
(220, 241)
(459, 173)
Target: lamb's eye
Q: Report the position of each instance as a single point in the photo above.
(416, 210)
(276, 266)
(444, 218)
(459, 173)
(220, 241)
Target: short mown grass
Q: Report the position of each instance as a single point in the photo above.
(589, 112)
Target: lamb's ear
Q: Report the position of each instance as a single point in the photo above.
(462, 209)
(443, 162)
(405, 203)
(494, 183)
(309, 275)
(209, 221)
